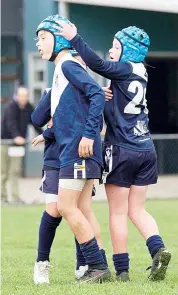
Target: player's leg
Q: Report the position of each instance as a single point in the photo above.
(117, 186)
(68, 196)
(50, 220)
(118, 209)
(85, 205)
(144, 222)
(47, 230)
(148, 228)
(81, 266)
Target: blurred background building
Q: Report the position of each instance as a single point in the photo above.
(97, 22)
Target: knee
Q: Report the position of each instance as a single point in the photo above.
(64, 210)
(131, 214)
(52, 210)
(86, 211)
(134, 213)
(61, 209)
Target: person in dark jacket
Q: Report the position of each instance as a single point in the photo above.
(15, 121)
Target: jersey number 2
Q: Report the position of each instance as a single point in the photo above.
(139, 100)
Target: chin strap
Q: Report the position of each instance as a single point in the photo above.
(53, 56)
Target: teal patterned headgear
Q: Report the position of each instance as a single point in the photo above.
(135, 43)
(60, 42)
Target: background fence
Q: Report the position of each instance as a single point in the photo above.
(167, 152)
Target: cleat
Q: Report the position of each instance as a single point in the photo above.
(159, 265)
(108, 276)
(41, 272)
(81, 271)
(95, 276)
(123, 277)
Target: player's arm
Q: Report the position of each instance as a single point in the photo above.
(38, 129)
(109, 69)
(103, 131)
(42, 113)
(48, 134)
(101, 123)
(81, 79)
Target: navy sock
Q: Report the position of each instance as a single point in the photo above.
(47, 232)
(154, 243)
(79, 256)
(92, 254)
(121, 262)
(104, 257)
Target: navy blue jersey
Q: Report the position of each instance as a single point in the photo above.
(51, 150)
(40, 117)
(126, 115)
(77, 103)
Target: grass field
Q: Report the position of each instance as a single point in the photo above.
(19, 242)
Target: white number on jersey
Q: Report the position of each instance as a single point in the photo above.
(133, 107)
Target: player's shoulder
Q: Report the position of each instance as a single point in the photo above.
(65, 60)
(46, 95)
(47, 90)
(71, 68)
(70, 65)
(124, 69)
(139, 69)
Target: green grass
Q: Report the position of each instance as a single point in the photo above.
(19, 243)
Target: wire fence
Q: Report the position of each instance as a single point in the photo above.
(166, 146)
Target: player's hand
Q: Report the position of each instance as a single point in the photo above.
(103, 131)
(19, 140)
(68, 31)
(50, 123)
(85, 148)
(108, 93)
(38, 139)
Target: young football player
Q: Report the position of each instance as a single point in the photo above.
(50, 179)
(77, 103)
(130, 157)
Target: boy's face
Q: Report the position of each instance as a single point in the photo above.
(45, 44)
(116, 50)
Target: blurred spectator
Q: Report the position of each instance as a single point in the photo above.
(17, 116)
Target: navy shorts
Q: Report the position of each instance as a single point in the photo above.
(84, 169)
(124, 167)
(50, 181)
